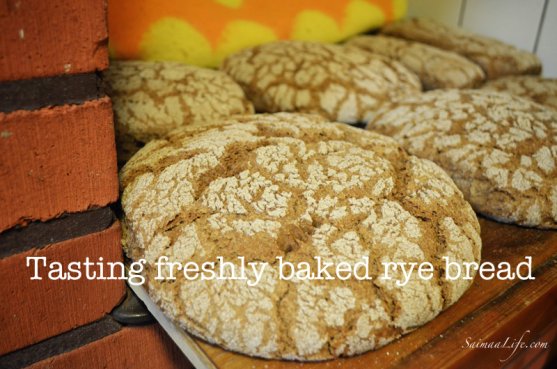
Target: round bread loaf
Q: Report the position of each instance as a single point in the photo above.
(290, 186)
(150, 153)
(436, 68)
(152, 98)
(342, 84)
(538, 89)
(496, 58)
(499, 149)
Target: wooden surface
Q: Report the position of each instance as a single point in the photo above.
(491, 310)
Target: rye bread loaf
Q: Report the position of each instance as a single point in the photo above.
(495, 57)
(501, 150)
(341, 83)
(291, 186)
(535, 88)
(152, 98)
(435, 67)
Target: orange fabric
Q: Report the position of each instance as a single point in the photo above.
(129, 20)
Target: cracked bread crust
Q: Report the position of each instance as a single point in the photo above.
(501, 150)
(435, 67)
(535, 88)
(496, 58)
(341, 83)
(152, 98)
(149, 156)
(293, 186)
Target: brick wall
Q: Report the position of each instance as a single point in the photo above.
(58, 178)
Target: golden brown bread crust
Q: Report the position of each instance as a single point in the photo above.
(535, 88)
(341, 83)
(435, 67)
(501, 150)
(293, 186)
(497, 58)
(152, 98)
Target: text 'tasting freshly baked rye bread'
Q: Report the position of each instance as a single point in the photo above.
(291, 186)
(495, 57)
(152, 98)
(536, 88)
(501, 150)
(340, 83)
(435, 67)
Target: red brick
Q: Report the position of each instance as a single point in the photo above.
(33, 310)
(146, 347)
(49, 37)
(56, 160)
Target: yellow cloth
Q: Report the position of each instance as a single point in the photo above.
(203, 32)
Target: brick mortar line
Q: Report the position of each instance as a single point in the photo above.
(37, 93)
(40, 234)
(60, 344)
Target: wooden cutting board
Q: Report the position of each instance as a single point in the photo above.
(491, 310)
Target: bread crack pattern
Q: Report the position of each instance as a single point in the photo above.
(341, 83)
(501, 150)
(150, 99)
(297, 188)
(535, 88)
(496, 58)
(435, 67)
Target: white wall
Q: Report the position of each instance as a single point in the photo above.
(547, 43)
(528, 24)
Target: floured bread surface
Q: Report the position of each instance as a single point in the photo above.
(501, 150)
(152, 98)
(150, 153)
(435, 67)
(340, 83)
(495, 57)
(290, 186)
(538, 89)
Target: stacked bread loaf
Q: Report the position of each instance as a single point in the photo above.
(292, 183)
